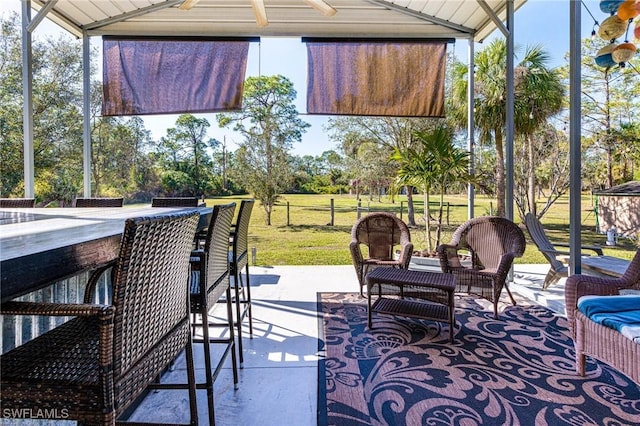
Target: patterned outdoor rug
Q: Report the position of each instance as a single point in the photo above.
(518, 370)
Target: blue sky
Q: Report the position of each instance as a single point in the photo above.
(544, 22)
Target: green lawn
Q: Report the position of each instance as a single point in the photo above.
(309, 239)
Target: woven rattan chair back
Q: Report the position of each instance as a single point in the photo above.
(381, 233)
(98, 202)
(175, 202)
(153, 265)
(17, 203)
(239, 260)
(209, 281)
(216, 248)
(240, 245)
(488, 238)
(492, 242)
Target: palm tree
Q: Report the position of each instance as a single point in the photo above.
(537, 94)
(435, 161)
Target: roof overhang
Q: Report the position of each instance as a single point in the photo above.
(459, 19)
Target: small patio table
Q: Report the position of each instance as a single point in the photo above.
(431, 295)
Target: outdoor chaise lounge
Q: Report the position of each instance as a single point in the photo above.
(558, 268)
(591, 304)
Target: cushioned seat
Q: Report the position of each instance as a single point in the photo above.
(596, 339)
(622, 313)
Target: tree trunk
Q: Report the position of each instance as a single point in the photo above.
(427, 221)
(411, 215)
(531, 178)
(267, 217)
(500, 183)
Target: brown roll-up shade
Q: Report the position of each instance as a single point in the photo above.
(142, 76)
(397, 79)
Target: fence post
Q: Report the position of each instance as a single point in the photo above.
(288, 222)
(401, 208)
(332, 213)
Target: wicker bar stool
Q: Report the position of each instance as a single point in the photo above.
(17, 202)
(95, 366)
(98, 202)
(239, 260)
(209, 281)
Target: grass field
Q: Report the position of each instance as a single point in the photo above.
(306, 237)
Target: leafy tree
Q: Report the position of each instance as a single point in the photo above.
(610, 111)
(270, 124)
(388, 133)
(57, 96)
(184, 153)
(436, 161)
(540, 96)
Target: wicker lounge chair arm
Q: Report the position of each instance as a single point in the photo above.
(449, 258)
(93, 281)
(583, 285)
(56, 309)
(356, 254)
(405, 253)
(596, 249)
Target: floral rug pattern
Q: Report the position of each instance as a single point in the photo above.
(516, 370)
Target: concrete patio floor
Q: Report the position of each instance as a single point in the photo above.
(279, 381)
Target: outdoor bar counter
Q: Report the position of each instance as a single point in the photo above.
(40, 246)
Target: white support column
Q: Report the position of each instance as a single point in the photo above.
(27, 104)
(471, 126)
(86, 113)
(509, 133)
(575, 105)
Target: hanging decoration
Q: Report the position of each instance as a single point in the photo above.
(622, 13)
(604, 56)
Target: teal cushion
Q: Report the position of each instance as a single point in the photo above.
(621, 313)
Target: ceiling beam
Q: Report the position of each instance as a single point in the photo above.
(260, 12)
(494, 17)
(423, 16)
(322, 6)
(133, 13)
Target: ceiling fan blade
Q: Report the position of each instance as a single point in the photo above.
(322, 7)
(188, 4)
(260, 12)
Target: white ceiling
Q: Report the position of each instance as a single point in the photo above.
(354, 18)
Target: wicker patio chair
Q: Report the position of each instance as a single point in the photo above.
(209, 281)
(598, 341)
(239, 260)
(374, 240)
(175, 202)
(17, 202)
(93, 367)
(98, 202)
(557, 258)
(492, 243)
